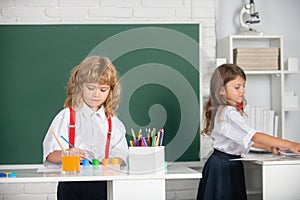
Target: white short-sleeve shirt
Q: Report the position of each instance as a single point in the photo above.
(90, 133)
(231, 134)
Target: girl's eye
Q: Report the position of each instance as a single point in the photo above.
(104, 89)
(91, 88)
(239, 86)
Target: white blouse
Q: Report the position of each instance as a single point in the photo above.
(90, 133)
(231, 134)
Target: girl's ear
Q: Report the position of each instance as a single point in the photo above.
(223, 91)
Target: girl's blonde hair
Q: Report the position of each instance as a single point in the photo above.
(94, 69)
(221, 76)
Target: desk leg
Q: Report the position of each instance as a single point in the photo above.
(109, 190)
(137, 189)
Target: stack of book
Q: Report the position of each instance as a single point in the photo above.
(256, 58)
(262, 119)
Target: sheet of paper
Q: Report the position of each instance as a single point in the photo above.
(268, 157)
(258, 157)
(50, 167)
(48, 170)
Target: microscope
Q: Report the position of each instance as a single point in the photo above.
(249, 16)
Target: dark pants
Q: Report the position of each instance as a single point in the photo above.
(222, 179)
(92, 190)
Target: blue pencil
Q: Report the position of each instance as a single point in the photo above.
(67, 141)
(161, 137)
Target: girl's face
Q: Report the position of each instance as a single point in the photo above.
(94, 94)
(235, 90)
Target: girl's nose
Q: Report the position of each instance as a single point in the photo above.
(243, 90)
(97, 92)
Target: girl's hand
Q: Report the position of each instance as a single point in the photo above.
(294, 147)
(275, 150)
(81, 153)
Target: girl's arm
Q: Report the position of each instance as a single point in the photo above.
(270, 143)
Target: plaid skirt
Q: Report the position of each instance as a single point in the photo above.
(222, 179)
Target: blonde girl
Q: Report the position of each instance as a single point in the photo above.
(90, 123)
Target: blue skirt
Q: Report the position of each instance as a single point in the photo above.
(222, 179)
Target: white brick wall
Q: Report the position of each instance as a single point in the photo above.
(30, 191)
(93, 11)
(34, 3)
(78, 3)
(111, 12)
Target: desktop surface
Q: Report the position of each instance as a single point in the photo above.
(24, 173)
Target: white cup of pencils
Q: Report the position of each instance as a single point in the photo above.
(146, 152)
(151, 138)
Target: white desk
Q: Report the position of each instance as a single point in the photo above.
(121, 185)
(279, 177)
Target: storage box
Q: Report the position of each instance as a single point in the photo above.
(291, 100)
(292, 64)
(145, 160)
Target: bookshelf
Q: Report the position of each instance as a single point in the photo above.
(265, 87)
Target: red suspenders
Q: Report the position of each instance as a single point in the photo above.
(108, 137)
(72, 131)
(72, 127)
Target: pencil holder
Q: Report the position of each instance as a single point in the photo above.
(145, 160)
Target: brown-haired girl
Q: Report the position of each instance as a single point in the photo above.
(232, 137)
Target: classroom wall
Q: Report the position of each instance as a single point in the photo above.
(109, 11)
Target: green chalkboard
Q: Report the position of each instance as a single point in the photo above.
(159, 72)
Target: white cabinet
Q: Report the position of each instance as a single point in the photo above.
(266, 87)
(272, 179)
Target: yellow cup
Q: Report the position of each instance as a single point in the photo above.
(70, 161)
(115, 161)
(115, 166)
